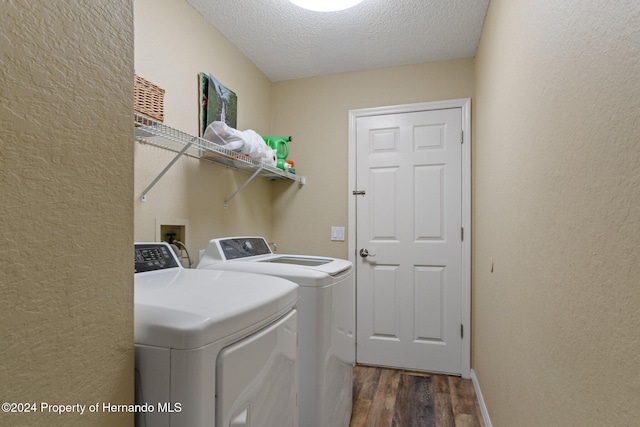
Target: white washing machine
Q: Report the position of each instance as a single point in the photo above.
(212, 348)
(326, 321)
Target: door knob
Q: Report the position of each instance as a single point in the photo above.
(365, 253)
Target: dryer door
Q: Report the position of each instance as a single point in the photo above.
(257, 378)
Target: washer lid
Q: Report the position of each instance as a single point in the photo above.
(185, 309)
(330, 266)
(238, 253)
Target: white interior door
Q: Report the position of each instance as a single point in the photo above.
(409, 219)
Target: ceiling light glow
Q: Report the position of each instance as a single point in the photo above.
(326, 5)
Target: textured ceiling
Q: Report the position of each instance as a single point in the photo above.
(287, 42)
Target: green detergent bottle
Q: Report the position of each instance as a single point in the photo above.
(281, 145)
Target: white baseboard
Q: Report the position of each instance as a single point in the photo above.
(483, 407)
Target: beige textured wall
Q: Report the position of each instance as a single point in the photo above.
(66, 179)
(315, 112)
(173, 43)
(557, 207)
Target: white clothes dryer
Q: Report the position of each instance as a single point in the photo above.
(326, 322)
(212, 348)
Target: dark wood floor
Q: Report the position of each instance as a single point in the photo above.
(388, 397)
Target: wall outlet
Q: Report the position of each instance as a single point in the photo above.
(337, 233)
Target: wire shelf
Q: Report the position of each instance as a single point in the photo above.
(158, 134)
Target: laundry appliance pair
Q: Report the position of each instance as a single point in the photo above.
(250, 338)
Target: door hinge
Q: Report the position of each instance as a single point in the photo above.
(462, 234)
(359, 192)
(461, 331)
(461, 137)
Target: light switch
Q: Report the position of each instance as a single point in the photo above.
(337, 233)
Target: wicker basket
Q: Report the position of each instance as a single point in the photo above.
(148, 99)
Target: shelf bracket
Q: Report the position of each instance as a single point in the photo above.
(226, 202)
(143, 198)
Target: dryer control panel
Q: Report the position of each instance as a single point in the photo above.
(154, 256)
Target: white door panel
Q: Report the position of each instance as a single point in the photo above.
(409, 288)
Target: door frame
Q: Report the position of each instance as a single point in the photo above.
(465, 105)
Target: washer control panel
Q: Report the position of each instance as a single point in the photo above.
(154, 256)
(243, 247)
